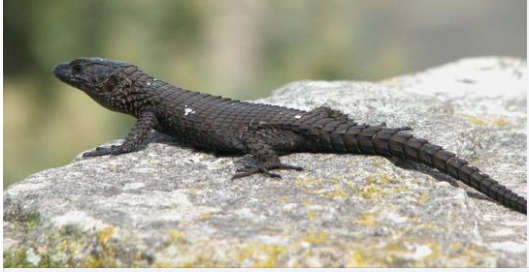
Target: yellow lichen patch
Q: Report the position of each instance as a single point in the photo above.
(106, 261)
(490, 122)
(469, 253)
(476, 121)
(307, 203)
(370, 191)
(282, 199)
(469, 259)
(334, 179)
(434, 255)
(399, 189)
(298, 182)
(366, 219)
(377, 187)
(272, 255)
(205, 215)
(314, 237)
(317, 191)
(414, 219)
(423, 197)
(501, 122)
(456, 246)
(246, 252)
(415, 252)
(176, 234)
(371, 180)
(105, 235)
(308, 181)
(107, 256)
(385, 179)
(357, 259)
(394, 248)
(193, 191)
(336, 194)
(311, 215)
(424, 254)
(259, 254)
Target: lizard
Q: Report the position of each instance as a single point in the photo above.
(208, 122)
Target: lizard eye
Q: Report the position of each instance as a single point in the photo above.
(78, 68)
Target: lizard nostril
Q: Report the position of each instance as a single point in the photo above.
(55, 69)
(59, 69)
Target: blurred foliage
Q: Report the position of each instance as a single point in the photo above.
(236, 48)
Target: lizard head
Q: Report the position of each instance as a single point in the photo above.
(102, 79)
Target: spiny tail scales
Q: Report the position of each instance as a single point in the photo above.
(388, 142)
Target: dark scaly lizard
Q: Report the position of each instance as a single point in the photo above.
(223, 125)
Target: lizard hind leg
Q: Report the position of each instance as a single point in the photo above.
(267, 159)
(331, 113)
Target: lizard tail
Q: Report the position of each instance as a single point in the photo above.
(389, 142)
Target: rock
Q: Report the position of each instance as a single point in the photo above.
(168, 205)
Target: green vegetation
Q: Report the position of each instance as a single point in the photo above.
(16, 259)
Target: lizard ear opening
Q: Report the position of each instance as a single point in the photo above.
(111, 83)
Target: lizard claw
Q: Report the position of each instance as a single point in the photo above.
(99, 151)
(254, 170)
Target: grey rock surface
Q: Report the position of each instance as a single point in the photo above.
(168, 205)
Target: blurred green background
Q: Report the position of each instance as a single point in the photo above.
(240, 49)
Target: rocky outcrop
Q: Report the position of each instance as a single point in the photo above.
(168, 205)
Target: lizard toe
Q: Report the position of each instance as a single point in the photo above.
(239, 173)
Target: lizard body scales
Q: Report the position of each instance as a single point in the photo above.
(219, 124)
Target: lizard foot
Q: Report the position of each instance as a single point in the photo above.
(254, 170)
(102, 151)
(260, 169)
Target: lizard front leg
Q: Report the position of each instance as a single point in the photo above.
(267, 159)
(146, 122)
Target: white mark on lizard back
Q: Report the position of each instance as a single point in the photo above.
(297, 116)
(188, 110)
